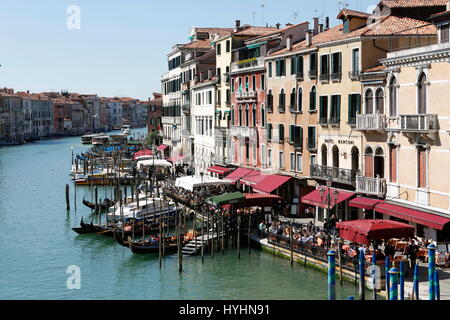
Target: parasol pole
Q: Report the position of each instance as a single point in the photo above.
(431, 271)
(331, 275)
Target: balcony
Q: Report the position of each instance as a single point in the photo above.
(324, 77)
(312, 145)
(312, 74)
(244, 132)
(281, 109)
(371, 122)
(345, 176)
(334, 121)
(418, 122)
(247, 64)
(269, 108)
(246, 95)
(336, 77)
(299, 76)
(354, 75)
(371, 186)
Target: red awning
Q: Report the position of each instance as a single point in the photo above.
(313, 198)
(162, 147)
(364, 231)
(256, 200)
(270, 183)
(252, 180)
(364, 203)
(420, 217)
(143, 153)
(218, 169)
(176, 159)
(240, 173)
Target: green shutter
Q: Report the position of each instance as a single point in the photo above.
(291, 133)
(351, 110)
(301, 136)
(322, 108)
(293, 65)
(358, 104)
(340, 62)
(338, 107)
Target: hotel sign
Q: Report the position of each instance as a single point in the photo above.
(349, 142)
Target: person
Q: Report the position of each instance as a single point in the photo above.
(332, 223)
(326, 225)
(389, 250)
(262, 228)
(411, 252)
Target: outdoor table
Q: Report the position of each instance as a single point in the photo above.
(401, 245)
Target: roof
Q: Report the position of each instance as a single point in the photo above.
(412, 3)
(388, 26)
(198, 44)
(441, 16)
(271, 183)
(352, 13)
(219, 31)
(256, 31)
(375, 69)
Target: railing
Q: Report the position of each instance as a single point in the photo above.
(354, 75)
(270, 108)
(418, 122)
(246, 94)
(323, 121)
(281, 108)
(186, 108)
(324, 77)
(293, 109)
(336, 76)
(371, 186)
(346, 176)
(312, 74)
(299, 76)
(245, 132)
(369, 122)
(334, 121)
(247, 63)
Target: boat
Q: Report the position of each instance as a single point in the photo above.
(126, 129)
(100, 140)
(87, 228)
(105, 205)
(87, 138)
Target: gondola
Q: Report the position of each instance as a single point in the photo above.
(105, 205)
(87, 228)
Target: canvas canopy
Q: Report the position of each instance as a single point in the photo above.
(191, 182)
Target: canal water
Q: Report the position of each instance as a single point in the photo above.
(37, 246)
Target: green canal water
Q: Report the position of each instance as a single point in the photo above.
(37, 246)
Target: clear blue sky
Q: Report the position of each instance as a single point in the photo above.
(122, 44)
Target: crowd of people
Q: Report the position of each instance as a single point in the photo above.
(200, 194)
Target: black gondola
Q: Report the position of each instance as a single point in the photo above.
(104, 206)
(87, 228)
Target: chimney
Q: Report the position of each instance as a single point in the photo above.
(202, 76)
(278, 25)
(327, 23)
(210, 74)
(316, 26)
(321, 28)
(289, 42)
(238, 24)
(309, 35)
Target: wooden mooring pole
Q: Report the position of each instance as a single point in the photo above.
(67, 198)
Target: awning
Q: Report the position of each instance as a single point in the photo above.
(253, 179)
(162, 147)
(227, 198)
(176, 159)
(142, 153)
(364, 203)
(271, 183)
(313, 198)
(153, 162)
(191, 182)
(364, 231)
(219, 169)
(256, 45)
(420, 217)
(239, 174)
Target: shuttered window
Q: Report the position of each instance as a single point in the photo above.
(323, 108)
(393, 163)
(313, 99)
(422, 167)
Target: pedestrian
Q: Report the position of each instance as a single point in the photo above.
(389, 250)
(411, 252)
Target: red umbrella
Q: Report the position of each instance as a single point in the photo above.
(364, 231)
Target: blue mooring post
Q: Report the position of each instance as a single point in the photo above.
(362, 260)
(374, 275)
(331, 275)
(351, 298)
(431, 270)
(387, 266)
(416, 281)
(393, 273)
(402, 280)
(437, 287)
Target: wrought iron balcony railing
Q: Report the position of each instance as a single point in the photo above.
(340, 175)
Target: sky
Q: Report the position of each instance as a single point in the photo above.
(118, 47)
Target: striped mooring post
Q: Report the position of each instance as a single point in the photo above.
(331, 275)
(374, 276)
(431, 270)
(416, 281)
(393, 274)
(387, 266)
(402, 280)
(437, 287)
(362, 260)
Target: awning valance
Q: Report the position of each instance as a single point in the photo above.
(364, 203)
(219, 169)
(271, 183)
(420, 217)
(314, 199)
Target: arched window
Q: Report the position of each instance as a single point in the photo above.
(263, 116)
(240, 115)
(324, 152)
(293, 96)
(247, 116)
(368, 162)
(369, 101)
(379, 163)
(313, 99)
(422, 94)
(270, 101)
(355, 158)
(254, 115)
(300, 100)
(393, 97)
(282, 101)
(335, 152)
(380, 101)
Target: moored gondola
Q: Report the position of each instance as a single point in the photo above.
(104, 206)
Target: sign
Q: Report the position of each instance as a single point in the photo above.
(348, 142)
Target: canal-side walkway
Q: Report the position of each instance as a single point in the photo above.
(444, 275)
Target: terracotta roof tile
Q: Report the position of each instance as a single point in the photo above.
(352, 13)
(393, 25)
(375, 69)
(413, 3)
(256, 31)
(198, 44)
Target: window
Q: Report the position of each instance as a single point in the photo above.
(368, 162)
(281, 132)
(263, 155)
(240, 115)
(354, 107)
(240, 84)
(336, 63)
(313, 64)
(422, 94)
(270, 69)
(280, 68)
(335, 109)
(323, 116)
(269, 157)
(263, 85)
(232, 115)
(355, 61)
(281, 160)
(282, 101)
(444, 33)
(269, 132)
(209, 97)
(299, 162)
(219, 73)
(422, 167)
(254, 83)
(300, 100)
(246, 84)
(263, 116)
(297, 65)
(228, 46)
(247, 122)
(312, 159)
(219, 49)
(270, 101)
(369, 101)
(296, 136)
(313, 99)
(292, 158)
(324, 65)
(393, 97)
(254, 115)
(312, 138)
(247, 149)
(380, 101)
(346, 26)
(232, 85)
(293, 97)
(393, 163)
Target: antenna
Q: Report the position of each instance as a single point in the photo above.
(295, 15)
(342, 4)
(254, 17)
(262, 12)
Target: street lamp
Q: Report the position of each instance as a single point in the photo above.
(327, 198)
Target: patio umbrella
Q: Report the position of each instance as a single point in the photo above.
(365, 231)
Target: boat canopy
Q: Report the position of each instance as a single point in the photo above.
(227, 198)
(191, 182)
(155, 162)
